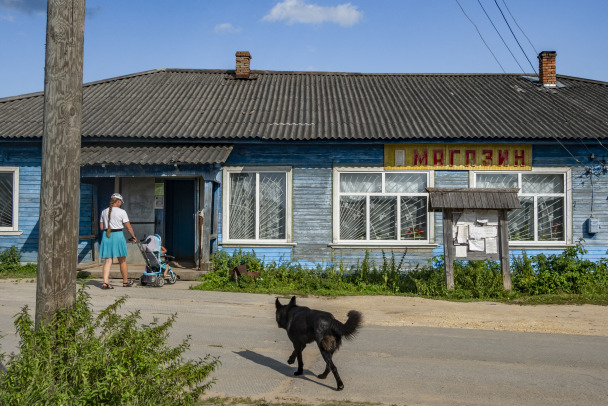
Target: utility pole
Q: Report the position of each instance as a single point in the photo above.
(60, 181)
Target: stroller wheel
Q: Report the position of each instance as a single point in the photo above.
(172, 278)
(160, 281)
(141, 281)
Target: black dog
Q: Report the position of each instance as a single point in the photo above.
(304, 326)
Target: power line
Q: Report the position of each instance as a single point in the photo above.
(512, 33)
(522, 31)
(567, 150)
(498, 32)
(481, 36)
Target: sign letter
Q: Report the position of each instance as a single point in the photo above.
(420, 159)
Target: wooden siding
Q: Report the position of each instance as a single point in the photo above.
(28, 158)
(312, 218)
(312, 196)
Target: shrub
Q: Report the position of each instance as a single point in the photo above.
(10, 264)
(564, 273)
(80, 359)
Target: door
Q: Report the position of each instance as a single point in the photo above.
(180, 219)
(139, 204)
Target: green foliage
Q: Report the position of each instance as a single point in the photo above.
(565, 276)
(82, 359)
(564, 273)
(288, 278)
(10, 264)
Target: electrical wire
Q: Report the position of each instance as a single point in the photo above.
(516, 40)
(522, 31)
(503, 40)
(567, 150)
(600, 142)
(481, 36)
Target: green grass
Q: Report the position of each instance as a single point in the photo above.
(564, 278)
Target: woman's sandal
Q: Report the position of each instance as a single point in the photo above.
(107, 286)
(127, 284)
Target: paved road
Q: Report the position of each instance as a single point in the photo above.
(387, 364)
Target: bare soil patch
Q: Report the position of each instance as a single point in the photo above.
(412, 311)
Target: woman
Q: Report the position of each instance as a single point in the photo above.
(113, 244)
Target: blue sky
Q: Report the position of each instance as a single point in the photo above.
(410, 36)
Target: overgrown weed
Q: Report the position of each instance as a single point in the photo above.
(556, 278)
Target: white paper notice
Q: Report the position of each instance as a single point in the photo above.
(468, 217)
(477, 245)
(491, 246)
(399, 157)
(463, 234)
(461, 251)
(476, 233)
(490, 232)
(488, 217)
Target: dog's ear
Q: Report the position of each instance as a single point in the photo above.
(292, 302)
(278, 304)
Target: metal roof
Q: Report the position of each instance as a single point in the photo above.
(151, 155)
(471, 198)
(212, 106)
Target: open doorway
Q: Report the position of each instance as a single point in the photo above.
(180, 213)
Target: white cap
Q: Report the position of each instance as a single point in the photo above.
(117, 196)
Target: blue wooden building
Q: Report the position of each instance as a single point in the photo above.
(320, 167)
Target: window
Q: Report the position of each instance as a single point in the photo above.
(374, 206)
(257, 205)
(9, 199)
(543, 217)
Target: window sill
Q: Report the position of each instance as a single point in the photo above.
(539, 245)
(237, 244)
(11, 232)
(424, 245)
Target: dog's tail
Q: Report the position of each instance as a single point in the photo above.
(352, 325)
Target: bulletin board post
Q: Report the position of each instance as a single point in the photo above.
(475, 226)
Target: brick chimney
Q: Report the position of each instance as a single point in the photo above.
(242, 64)
(546, 68)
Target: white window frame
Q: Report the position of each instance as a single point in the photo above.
(426, 242)
(229, 170)
(566, 172)
(14, 229)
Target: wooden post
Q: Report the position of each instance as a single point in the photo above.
(448, 247)
(503, 230)
(207, 221)
(59, 191)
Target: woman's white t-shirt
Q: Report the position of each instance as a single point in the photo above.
(119, 218)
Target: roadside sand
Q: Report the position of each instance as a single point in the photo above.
(411, 311)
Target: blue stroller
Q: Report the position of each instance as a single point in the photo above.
(157, 268)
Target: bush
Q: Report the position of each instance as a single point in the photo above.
(565, 273)
(80, 359)
(10, 264)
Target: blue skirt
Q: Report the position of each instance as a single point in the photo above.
(114, 246)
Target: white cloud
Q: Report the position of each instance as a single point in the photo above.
(298, 11)
(8, 18)
(226, 28)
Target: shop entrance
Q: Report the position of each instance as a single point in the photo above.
(180, 211)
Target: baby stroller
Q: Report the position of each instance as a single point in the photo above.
(156, 266)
